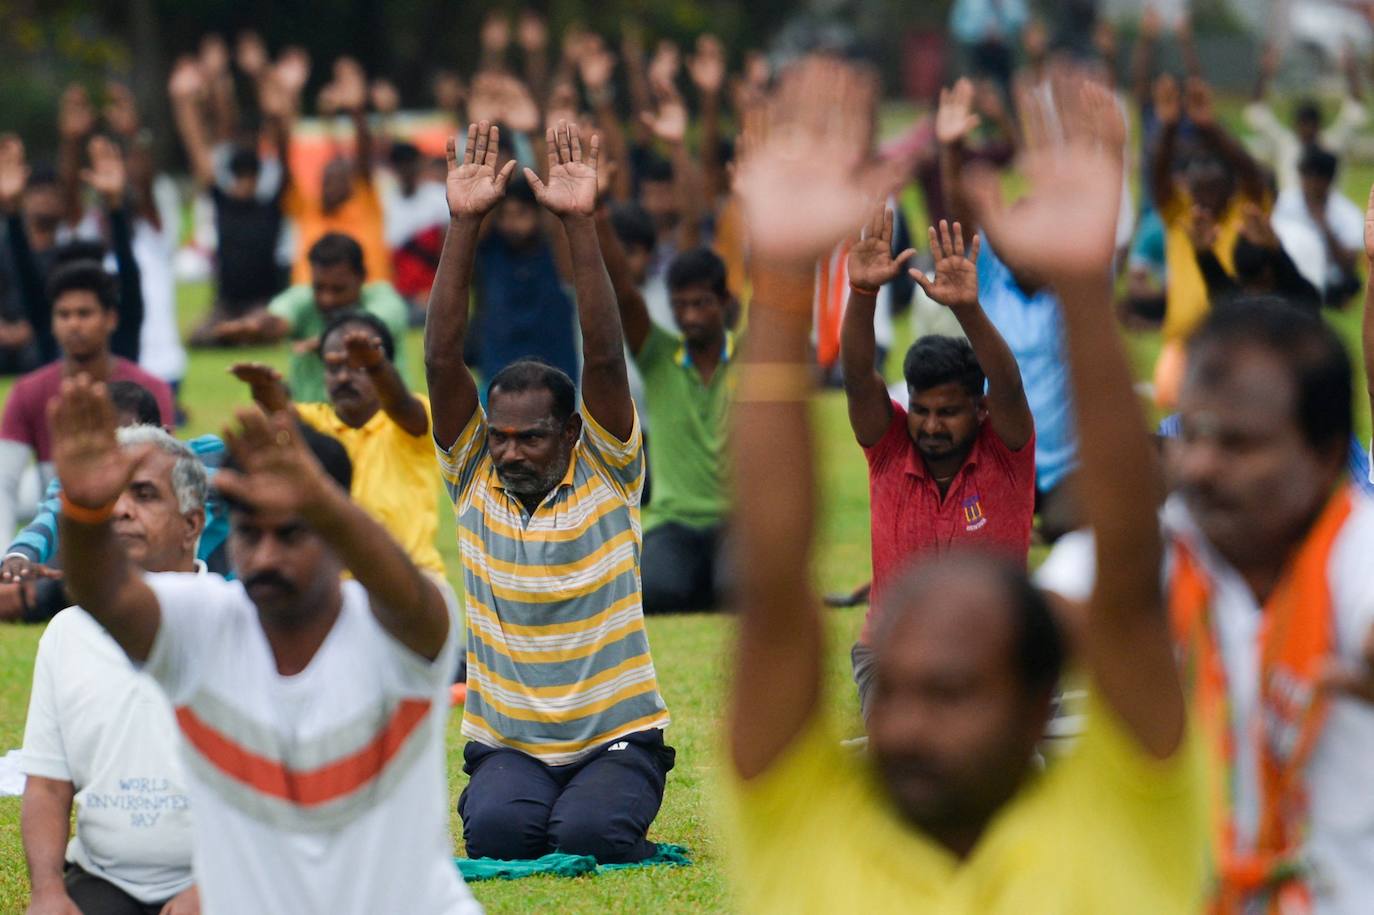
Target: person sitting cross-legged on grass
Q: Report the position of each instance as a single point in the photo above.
(564, 720)
(383, 426)
(311, 708)
(100, 733)
(947, 812)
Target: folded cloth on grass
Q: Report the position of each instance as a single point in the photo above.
(561, 865)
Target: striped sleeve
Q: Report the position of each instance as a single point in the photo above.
(622, 462)
(38, 541)
(458, 464)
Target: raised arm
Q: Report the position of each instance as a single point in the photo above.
(634, 313)
(184, 87)
(570, 194)
(108, 178)
(955, 119)
(955, 286)
(94, 471)
(803, 186)
(669, 125)
(14, 176)
(475, 187)
(707, 69)
(75, 123)
(1168, 110)
(265, 384)
(1143, 57)
(1367, 321)
(1198, 104)
(279, 474)
(1065, 230)
(365, 353)
(872, 265)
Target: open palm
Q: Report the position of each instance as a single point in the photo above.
(571, 186)
(955, 284)
(92, 467)
(277, 472)
(871, 261)
(474, 185)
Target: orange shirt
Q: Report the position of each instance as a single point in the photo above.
(360, 216)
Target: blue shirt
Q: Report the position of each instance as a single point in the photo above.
(524, 310)
(1033, 327)
(974, 21)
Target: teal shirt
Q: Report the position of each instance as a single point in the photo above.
(689, 419)
(296, 306)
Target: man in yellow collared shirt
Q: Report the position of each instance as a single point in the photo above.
(946, 813)
(383, 426)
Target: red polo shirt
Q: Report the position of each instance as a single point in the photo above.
(990, 503)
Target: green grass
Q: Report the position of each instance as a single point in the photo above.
(691, 652)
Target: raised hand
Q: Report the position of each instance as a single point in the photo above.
(364, 349)
(278, 473)
(14, 173)
(75, 115)
(532, 32)
(185, 81)
(955, 118)
(474, 185)
(21, 568)
(121, 109)
(802, 174)
(596, 68)
(449, 90)
(214, 56)
(707, 66)
(871, 264)
(1202, 230)
(571, 188)
(292, 70)
(264, 383)
(666, 63)
(669, 122)
(385, 98)
(92, 466)
(107, 175)
(350, 85)
(251, 54)
(1256, 228)
(955, 285)
(1168, 104)
(1197, 102)
(1066, 226)
(495, 35)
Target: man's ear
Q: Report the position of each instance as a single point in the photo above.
(195, 525)
(112, 319)
(572, 429)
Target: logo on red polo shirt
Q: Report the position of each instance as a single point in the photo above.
(974, 518)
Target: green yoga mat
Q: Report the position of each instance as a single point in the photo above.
(561, 865)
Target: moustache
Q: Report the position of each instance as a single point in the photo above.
(269, 579)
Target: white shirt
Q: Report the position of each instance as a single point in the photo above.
(322, 792)
(406, 217)
(97, 722)
(1279, 146)
(1340, 845)
(160, 352)
(1345, 218)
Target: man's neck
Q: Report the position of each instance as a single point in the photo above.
(295, 642)
(356, 419)
(706, 358)
(97, 366)
(944, 470)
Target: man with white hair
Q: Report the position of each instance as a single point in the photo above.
(101, 734)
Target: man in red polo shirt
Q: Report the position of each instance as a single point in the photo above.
(956, 467)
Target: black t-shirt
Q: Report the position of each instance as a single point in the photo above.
(248, 231)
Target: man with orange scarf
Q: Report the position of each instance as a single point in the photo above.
(1271, 599)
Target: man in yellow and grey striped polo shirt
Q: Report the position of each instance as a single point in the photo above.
(563, 719)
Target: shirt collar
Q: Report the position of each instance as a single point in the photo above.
(684, 358)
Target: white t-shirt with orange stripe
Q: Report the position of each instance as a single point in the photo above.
(322, 792)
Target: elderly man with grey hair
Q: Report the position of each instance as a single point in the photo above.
(101, 733)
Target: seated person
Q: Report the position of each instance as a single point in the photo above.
(384, 428)
(416, 219)
(102, 736)
(337, 284)
(689, 373)
(1333, 218)
(85, 317)
(30, 561)
(1261, 264)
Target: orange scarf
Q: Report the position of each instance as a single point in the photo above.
(1297, 636)
(832, 295)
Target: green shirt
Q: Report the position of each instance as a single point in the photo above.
(296, 306)
(688, 417)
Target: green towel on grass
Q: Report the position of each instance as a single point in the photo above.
(561, 865)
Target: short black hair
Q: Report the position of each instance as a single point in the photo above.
(244, 162)
(335, 248)
(366, 319)
(83, 276)
(1307, 110)
(657, 169)
(698, 266)
(403, 153)
(1315, 358)
(327, 450)
(633, 225)
(531, 374)
(134, 399)
(934, 360)
(1318, 163)
(520, 190)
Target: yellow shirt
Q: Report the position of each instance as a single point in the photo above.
(395, 479)
(1106, 830)
(1186, 291)
(360, 217)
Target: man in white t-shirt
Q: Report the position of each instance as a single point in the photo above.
(101, 734)
(312, 710)
(1271, 588)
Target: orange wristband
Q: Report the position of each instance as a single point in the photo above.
(863, 290)
(83, 515)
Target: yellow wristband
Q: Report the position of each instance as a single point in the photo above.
(775, 382)
(83, 515)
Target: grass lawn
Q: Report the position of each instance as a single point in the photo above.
(691, 652)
